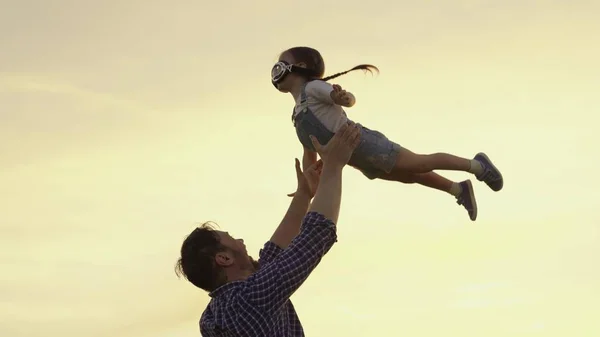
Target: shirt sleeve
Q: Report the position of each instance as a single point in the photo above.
(320, 90)
(273, 284)
(268, 253)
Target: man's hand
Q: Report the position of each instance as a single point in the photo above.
(309, 179)
(342, 97)
(338, 151)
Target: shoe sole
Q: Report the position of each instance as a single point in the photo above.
(473, 201)
(493, 167)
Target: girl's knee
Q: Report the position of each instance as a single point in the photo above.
(414, 163)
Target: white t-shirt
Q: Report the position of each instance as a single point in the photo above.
(318, 97)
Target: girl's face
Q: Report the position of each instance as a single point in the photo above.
(291, 80)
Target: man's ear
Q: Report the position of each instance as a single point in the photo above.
(224, 259)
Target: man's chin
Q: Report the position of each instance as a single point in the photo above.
(254, 263)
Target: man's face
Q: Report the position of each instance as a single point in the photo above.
(239, 254)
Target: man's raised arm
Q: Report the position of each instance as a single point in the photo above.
(272, 285)
(289, 227)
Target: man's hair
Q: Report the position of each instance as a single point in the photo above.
(314, 61)
(197, 262)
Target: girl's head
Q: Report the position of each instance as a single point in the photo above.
(301, 64)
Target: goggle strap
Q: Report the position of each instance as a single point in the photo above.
(302, 71)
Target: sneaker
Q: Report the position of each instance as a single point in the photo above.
(490, 175)
(466, 198)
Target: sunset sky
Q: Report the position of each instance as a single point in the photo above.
(124, 124)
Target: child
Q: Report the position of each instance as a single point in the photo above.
(318, 113)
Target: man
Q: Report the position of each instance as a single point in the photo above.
(251, 298)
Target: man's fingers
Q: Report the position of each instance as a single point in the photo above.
(317, 165)
(355, 138)
(339, 135)
(298, 169)
(343, 129)
(315, 143)
(356, 133)
(347, 131)
(352, 134)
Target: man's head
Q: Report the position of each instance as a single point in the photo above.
(211, 258)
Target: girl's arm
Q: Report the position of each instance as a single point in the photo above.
(330, 94)
(342, 97)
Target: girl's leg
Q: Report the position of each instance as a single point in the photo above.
(462, 191)
(422, 163)
(429, 179)
(481, 166)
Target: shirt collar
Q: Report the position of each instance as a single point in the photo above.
(224, 288)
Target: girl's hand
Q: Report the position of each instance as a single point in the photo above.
(341, 96)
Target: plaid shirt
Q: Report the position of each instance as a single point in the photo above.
(260, 306)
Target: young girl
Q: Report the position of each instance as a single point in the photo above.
(318, 112)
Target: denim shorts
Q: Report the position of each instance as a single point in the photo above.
(376, 155)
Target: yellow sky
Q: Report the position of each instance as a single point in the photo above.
(124, 123)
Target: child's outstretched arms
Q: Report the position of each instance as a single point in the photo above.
(342, 97)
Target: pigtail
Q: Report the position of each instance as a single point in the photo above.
(364, 67)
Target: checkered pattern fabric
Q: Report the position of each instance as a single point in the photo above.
(260, 306)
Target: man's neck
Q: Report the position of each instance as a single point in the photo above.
(238, 275)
